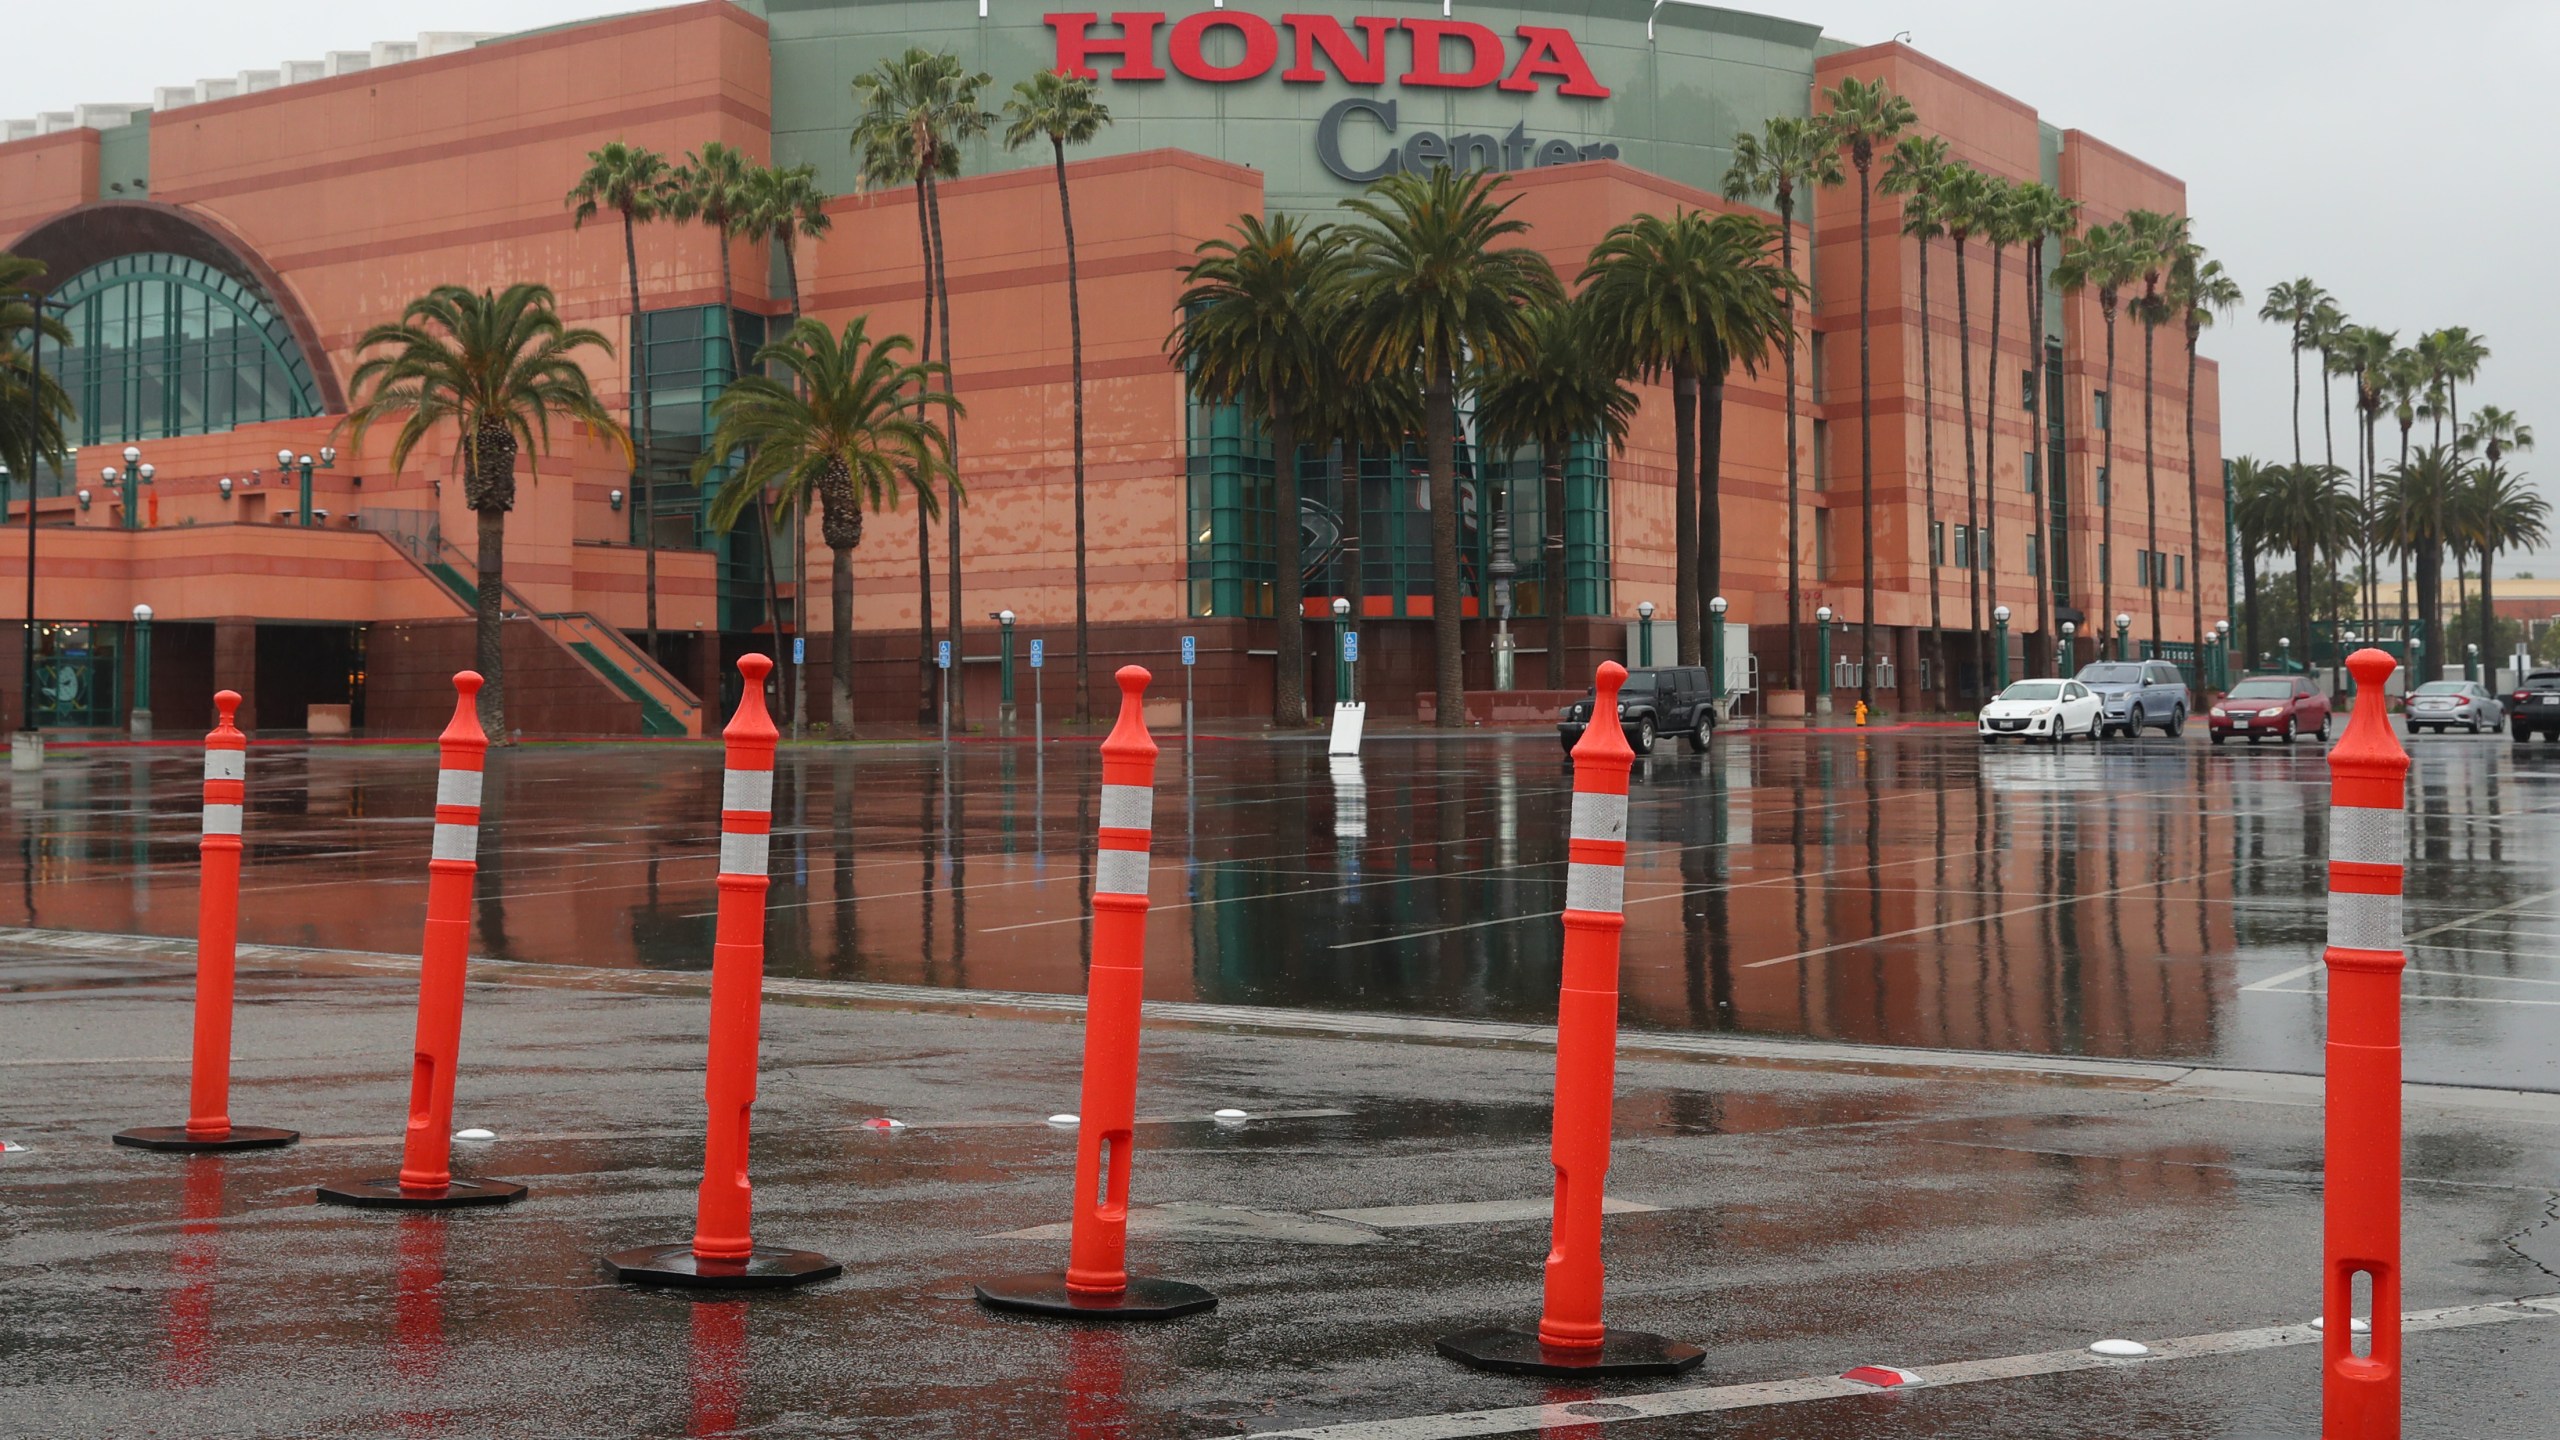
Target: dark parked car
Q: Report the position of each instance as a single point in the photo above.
(1663, 700)
(2271, 707)
(2138, 694)
(2535, 706)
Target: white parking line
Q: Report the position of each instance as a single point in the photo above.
(1975, 919)
(1710, 1399)
(2479, 915)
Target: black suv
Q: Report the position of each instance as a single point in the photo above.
(1664, 700)
(2535, 706)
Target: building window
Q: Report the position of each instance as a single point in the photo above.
(2102, 487)
(2098, 412)
(1821, 454)
(1964, 547)
(2182, 572)
(162, 345)
(2027, 470)
(2035, 555)
(1937, 542)
(1822, 544)
(689, 365)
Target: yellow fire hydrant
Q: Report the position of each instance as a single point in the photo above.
(1862, 712)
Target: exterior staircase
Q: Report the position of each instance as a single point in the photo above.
(667, 707)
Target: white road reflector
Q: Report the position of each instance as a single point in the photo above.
(1063, 1121)
(2120, 1349)
(475, 1133)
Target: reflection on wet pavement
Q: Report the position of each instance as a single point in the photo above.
(2149, 899)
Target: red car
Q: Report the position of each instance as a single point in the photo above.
(2271, 707)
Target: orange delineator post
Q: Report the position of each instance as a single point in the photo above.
(2360, 1231)
(426, 1178)
(1097, 1282)
(723, 1251)
(209, 1127)
(1570, 1338)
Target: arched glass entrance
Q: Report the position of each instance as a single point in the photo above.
(164, 345)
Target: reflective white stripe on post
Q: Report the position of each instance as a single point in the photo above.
(2364, 922)
(2362, 836)
(1120, 872)
(1128, 807)
(1600, 888)
(456, 842)
(745, 854)
(747, 790)
(222, 819)
(226, 764)
(458, 787)
(1598, 815)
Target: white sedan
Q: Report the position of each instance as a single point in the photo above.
(2052, 710)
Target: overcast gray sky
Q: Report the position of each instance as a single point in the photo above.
(2388, 150)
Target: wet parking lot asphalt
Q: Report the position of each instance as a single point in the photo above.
(2151, 899)
(1937, 1056)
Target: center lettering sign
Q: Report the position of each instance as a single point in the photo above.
(1436, 54)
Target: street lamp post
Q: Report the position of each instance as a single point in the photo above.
(1341, 655)
(1503, 568)
(2062, 651)
(2222, 654)
(2124, 631)
(1822, 671)
(286, 460)
(1715, 647)
(140, 723)
(2471, 661)
(1644, 633)
(2284, 653)
(1004, 669)
(2000, 643)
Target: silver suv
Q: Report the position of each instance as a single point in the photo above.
(2134, 695)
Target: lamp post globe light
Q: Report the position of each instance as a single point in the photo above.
(2062, 651)
(1644, 633)
(1715, 646)
(140, 722)
(1822, 670)
(1341, 659)
(2000, 646)
(2471, 661)
(2124, 629)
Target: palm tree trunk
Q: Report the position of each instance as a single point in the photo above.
(1866, 442)
(1551, 511)
(1440, 422)
(840, 643)
(2249, 598)
(1964, 408)
(2489, 614)
(1075, 367)
(2328, 427)
(2150, 479)
(2296, 348)
(1795, 560)
(928, 705)
(951, 431)
(1684, 504)
(2195, 516)
(1929, 482)
(2104, 555)
(2430, 606)
(1987, 541)
(2305, 560)
(1710, 502)
(1354, 582)
(488, 640)
(800, 525)
(641, 491)
(2040, 501)
(1288, 599)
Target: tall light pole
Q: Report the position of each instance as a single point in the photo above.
(2124, 628)
(1715, 645)
(2000, 644)
(2062, 652)
(140, 723)
(1341, 652)
(1004, 669)
(1503, 568)
(1822, 671)
(1644, 633)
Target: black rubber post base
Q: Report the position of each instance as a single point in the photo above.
(385, 1193)
(174, 1139)
(1621, 1352)
(769, 1268)
(1046, 1293)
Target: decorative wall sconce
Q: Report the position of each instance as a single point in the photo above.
(614, 497)
(226, 487)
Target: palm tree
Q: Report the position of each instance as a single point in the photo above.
(1252, 332)
(1960, 192)
(785, 203)
(1861, 115)
(1746, 318)
(2255, 526)
(1651, 283)
(2501, 512)
(1563, 390)
(2327, 323)
(916, 110)
(632, 181)
(837, 425)
(2159, 238)
(2105, 260)
(1999, 222)
(2197, 289)
(2494, 432)
(2454, 356)
(2408, 381)
(1063, 109)
(1912, 174)
(1789, 152)
(2043, 214)
(23, 448)
(2313, 511)
(2364, 353)
(501, 367)
(1429, 289)
(2293, 304)
(2420, 509)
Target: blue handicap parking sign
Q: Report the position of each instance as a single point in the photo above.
(1035, 654)
(942, 654)
(1190, 649)
(1351, 645)
(799, 649)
